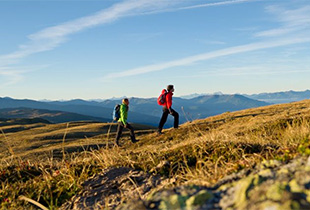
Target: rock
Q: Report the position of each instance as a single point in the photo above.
(172, 202)
(270, 164)
(199, 199)
(110, 187)
(271, 185)
(276, 191)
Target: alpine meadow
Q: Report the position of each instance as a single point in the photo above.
(249, 159)
(154, 105)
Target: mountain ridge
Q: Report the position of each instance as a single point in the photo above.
(146, 110)
(281, 97)
(143, 110)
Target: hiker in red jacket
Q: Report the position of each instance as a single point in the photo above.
(167, 103)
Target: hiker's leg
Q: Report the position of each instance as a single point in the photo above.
(176, 118)
(163, 119)
(132, 133)
(119, 132)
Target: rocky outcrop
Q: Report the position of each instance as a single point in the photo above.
(107, 190)
(269, 185)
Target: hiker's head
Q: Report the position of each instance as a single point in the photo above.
(170, 88)
(125, 101)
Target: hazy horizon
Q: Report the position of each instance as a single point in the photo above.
(180, 96)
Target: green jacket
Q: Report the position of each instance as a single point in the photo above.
(123, 114)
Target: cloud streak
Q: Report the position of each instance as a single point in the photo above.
(52, 37)
(221, 3)
(207, 56)
(249, 70)
(12, 76)
(216, 4)
(49, 38)
(292, 21)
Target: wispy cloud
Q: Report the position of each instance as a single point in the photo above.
(256, 70)
(292, 21)
(208, 42)
(9, 76)
(196, 6)
(51, 37)
(207, 56)
(222, 3)
(14, 75)
(297, 20)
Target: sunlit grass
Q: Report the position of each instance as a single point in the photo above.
(200, 152)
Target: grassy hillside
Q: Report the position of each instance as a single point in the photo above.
(48, 163)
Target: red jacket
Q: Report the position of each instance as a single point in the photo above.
(168, 103)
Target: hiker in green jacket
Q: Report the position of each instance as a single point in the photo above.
(122, 123)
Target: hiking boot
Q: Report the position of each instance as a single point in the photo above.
(117, 143)
(134, 141)
(159, 133)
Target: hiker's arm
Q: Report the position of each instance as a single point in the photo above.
(169, 101)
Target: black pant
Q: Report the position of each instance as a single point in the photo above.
(165, 116)
(120, 128)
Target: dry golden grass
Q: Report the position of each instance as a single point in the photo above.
(56, 159)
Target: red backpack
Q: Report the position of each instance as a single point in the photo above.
(161, 100)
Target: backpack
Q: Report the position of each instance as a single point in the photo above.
(161, 100)
(116, 112)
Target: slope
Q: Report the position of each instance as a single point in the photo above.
(200, 153)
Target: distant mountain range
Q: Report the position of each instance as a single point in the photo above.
(281, 97)
(194, 95)
(86, 108)
(273, 98)
(142, 110)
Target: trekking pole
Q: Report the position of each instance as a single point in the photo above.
(108, 134)
(185, 114)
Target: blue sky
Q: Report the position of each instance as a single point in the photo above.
(101, 49)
